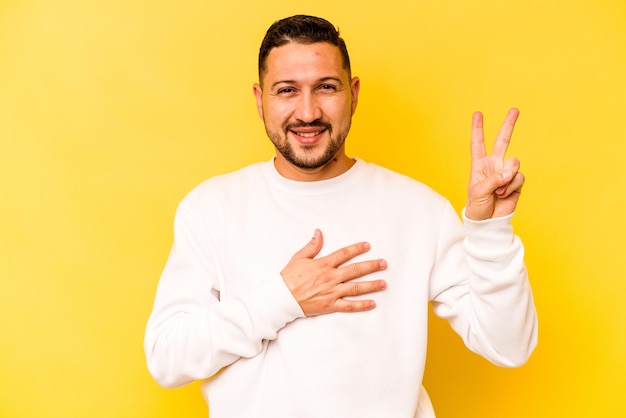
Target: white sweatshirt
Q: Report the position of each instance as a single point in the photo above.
(223, 314)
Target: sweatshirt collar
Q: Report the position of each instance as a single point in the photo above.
(339, 183)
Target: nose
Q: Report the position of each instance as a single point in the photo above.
(308, 108)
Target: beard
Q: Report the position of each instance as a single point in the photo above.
(308, 157)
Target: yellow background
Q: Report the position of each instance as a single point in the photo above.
(110, 111)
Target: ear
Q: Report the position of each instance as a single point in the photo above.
(258, 95)
(355, 87)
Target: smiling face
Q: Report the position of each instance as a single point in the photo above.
(306, 101)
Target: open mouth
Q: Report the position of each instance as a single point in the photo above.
(308, 136)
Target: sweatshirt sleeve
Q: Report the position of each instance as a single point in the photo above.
(191, 333)
(480, 285)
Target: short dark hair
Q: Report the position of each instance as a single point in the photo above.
(303, 29)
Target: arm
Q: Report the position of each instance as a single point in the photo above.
(480, 285)
(492, 309)
(192, 333)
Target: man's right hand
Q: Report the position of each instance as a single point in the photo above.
(320, 284)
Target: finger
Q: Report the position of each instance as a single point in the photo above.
(511, 164)
(346, 254)
(503, 139)
(312, 248)
(510, 167)
(515, 186)
(356, 270)
(492, 184)
(477, 142)
(343, 305)
(360, 288)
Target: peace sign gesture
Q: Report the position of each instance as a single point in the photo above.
(495, 183)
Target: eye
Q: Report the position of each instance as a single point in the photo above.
(285, 91)
(328, 87)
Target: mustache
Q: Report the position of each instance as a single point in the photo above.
(315, 124)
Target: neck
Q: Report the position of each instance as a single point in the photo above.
(335, 167)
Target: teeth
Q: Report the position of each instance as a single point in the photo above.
(309, 134)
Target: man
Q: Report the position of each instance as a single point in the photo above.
(337, 327)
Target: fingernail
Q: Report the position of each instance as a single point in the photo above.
(506, 175)
(382, 264)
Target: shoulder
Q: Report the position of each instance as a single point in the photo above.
(222, 185)
(404, 198)
(386, 180)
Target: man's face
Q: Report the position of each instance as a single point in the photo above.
(307, 102)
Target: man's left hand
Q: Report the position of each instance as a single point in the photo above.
(495, 183)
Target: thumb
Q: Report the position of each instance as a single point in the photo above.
(493, 183)
(313, 247)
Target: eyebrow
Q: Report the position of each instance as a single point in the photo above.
(321, 80)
